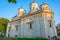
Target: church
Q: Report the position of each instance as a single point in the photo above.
(37, 23)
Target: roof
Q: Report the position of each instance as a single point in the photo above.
(30, 14)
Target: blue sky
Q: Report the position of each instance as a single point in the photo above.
(8, 10)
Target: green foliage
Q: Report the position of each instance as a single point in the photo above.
(3, 24)
(58, 33)
(23, 39)
(12, 1)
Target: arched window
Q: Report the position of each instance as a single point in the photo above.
(33, 8)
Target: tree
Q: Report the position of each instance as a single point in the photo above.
(3, 25)
(13, 1)
(58, 25)
(58, 29)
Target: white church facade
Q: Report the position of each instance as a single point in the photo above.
(37, 23)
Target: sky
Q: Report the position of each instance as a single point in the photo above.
(8, 10)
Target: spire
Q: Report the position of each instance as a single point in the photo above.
(21, 7)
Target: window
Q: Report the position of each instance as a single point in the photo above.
(30, 25)
(15, 35)
(16, 27)
(50, 23)
(33, 8)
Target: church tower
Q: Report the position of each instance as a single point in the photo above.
(49, 21)
(33, 7)
(20, 11)
(44, 7)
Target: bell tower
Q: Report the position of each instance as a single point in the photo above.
(46, 10)
(33, 7)
(20, 11)
(44, 7)
(49, 21)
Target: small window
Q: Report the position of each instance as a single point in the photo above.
(16, 27)
(50, 23)
(33, 8)
(30, 25)
(48, 36)
(15, 35)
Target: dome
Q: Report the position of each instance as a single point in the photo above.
(44, 6)
(20, 11)
(33, 6)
